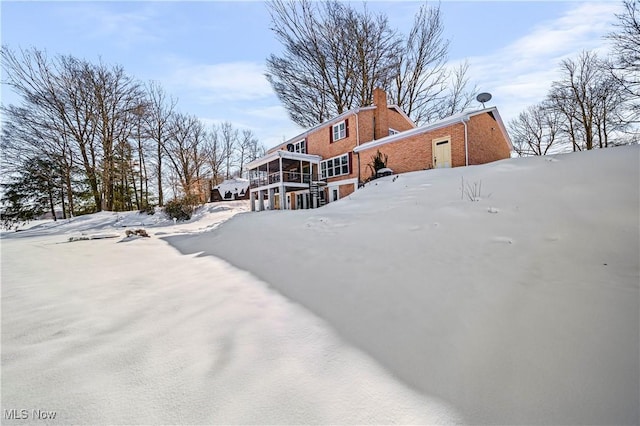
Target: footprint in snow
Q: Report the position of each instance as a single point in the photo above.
(503, 240)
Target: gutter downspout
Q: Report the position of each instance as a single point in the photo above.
(358, 144)
(466, 142)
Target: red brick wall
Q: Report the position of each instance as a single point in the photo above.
(346, 190)
(415, 152)
(398, 121)
(318, 142)
(381, 114)
(486, 141)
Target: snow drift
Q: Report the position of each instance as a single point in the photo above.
(128, 331)
(520, 307)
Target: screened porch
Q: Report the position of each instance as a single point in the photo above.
(274, 176)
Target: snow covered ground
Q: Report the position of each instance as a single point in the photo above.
(128, 331)
(406, 302)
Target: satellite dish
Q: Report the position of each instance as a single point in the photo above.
(483, 97)
(290, 147)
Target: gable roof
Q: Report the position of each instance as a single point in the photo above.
(336, 120)
(279, 153)
(445, 122)
(319, 126)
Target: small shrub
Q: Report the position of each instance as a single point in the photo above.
(181, 209)
(378, 161)
(473, 192)
(148, 209)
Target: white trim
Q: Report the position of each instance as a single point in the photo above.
(337, 184)
(445, 122)
(334, 193)
(353, 181)
(283, 154)
(466, 142)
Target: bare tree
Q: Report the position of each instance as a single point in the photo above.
(590, 99)
(626, 45)
(579, 78)
(214, 154)
(117, 96)
(184, 150)
(611, 113)
(159, 108)
(535, 130)
(334, 56)
(458, 96)
(228, 140)
(57, 108)
(311, 78)
(245, 147)
(561, 99)
(421, 75)
(256, 150)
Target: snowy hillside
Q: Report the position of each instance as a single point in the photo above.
(521, 307)
(499, 294)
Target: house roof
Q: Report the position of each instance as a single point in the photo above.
(284, 154)
(233, 185)
(447, 121)
(336, 120)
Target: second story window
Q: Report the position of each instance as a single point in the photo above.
(339, 131)
(300, 147)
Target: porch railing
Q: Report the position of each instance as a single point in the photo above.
(288, 177)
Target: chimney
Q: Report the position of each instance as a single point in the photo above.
(380, 114)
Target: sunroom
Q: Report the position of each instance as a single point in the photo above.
(285, 180)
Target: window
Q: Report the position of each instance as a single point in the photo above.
(336, 166)
(393, 131)
(339, 131)
(300, 147)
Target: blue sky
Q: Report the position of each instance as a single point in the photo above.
(210, 55)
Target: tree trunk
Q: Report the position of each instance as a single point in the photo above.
(51, 205)
(93, 180)
(160, 197)
(67, 178)
(64, 210)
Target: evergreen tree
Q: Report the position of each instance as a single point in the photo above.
(37, 189)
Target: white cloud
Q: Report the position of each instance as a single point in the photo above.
(237, 92)
(124, 28)
(520, 73)
(234, 81)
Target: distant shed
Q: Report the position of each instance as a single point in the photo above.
(231, 189)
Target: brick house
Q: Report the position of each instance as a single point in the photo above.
(330, 161)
